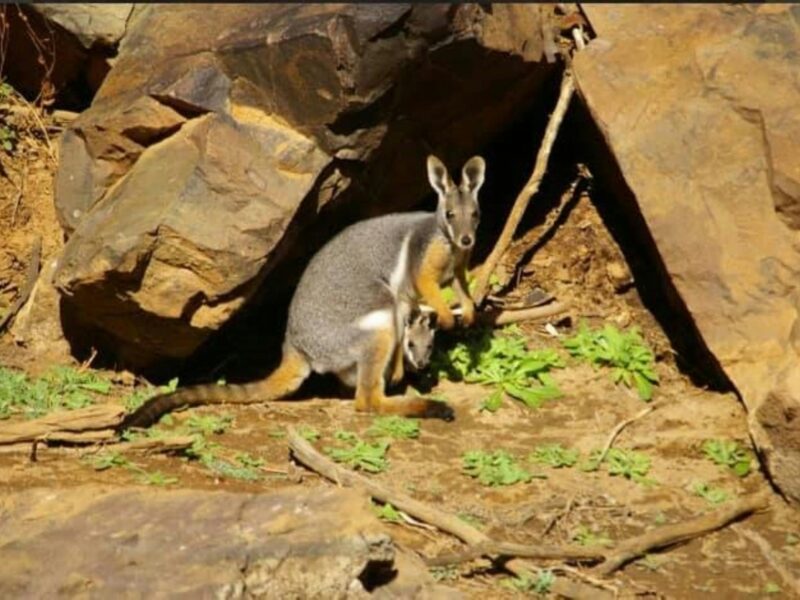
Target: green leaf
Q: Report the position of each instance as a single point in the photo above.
(494, 401)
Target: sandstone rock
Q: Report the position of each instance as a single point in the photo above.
(95, 542)
(205, 157)
(700, 109)
(92, 24)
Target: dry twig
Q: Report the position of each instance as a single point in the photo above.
(669, 535)
(619, 427)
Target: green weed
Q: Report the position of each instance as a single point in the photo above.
(494, 468)
(395, 427)
(59, 388)
(107, 460)
(710, 494)
(626, 463)
(554, 455)
(156, 478)
(387, 512)
(446, 573)
(772, 588)
(208, 424)
(309, 434)
(500, 360)
(728, 453)
(626, 353)
(540, 584)
(360, 455)
(584, 536)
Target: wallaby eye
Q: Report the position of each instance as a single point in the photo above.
(475, 214)
(450, 215)
(412, 345)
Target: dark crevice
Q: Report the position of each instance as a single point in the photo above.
(395, 29)
(180, 106)
(377, 573)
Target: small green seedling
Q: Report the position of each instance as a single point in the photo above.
(387, 512)
(792, 539)
(208, 424)
(309, 434)
(710, 494)
(394, 427)
(584, 536)
(494, 468)
(473, 520)
(445, 573)
(772, 588)
(554, 455)
(240, 471)
(629, 464)
(493, 402)
(626, 353)
(360, 455)
(728, 453)
(156, 478)
(540, 584)
(650, 562)
(107, 460)
(60, 388)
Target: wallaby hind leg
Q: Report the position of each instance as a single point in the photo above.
(370, 395)
(286, 379)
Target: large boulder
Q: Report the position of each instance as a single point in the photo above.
(98, 542)
(699, 107)
(204, 156)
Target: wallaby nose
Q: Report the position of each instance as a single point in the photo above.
(466, 241)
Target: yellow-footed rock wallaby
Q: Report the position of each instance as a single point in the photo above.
(356, 300)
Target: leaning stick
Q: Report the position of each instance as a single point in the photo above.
(524, 197)
(30, 280)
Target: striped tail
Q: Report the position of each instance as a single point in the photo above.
(285, 380)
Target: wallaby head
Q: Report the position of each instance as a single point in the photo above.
(458, 212)
(418, 332)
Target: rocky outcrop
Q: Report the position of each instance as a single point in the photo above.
(89, 541)
(700, 109)
(204, 157)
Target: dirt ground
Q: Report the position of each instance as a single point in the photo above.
(581, 262)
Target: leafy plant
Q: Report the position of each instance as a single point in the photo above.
(107, 460)
(208, 424)
(728, 453)
(445, 573)
(629, 464)
(360, 455)
(8, 138)
(584, 536)
(395, 427)
(494, 468)
(501, 360)
(59, 388)
(650, 562)
(554, 455)
(245, 468)
(540, 584)
(710, 494)
(626, 353)
(387, 512)
(309, 434)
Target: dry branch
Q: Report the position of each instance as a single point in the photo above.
(30, 280)
(669, 535)
(305, 453)
(83, 425)
(510, 549)
(531, 187)
(619, 427)
(504, 317)
(154, 445)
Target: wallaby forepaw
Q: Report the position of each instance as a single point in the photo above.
(438, 410)
(445, 320)
(468, 315)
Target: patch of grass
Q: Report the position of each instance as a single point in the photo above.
(107, 460)
(626, 353)
(358, 454)
(60, 388)
(555, 456)
(494, 468)
(142, 394)
(584, 536)
(728, 453)
(502, 361)
(387, 512)
(710, 494)
(540, 584)
(394, 427)
(208, 424)
(156, 478)
(306, 432)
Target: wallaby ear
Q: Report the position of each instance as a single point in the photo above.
(438, 176)
(472, 174)
(432, 320)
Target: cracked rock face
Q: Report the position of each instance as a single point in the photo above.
(700, 109)
(152, 543)
(212, 148)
